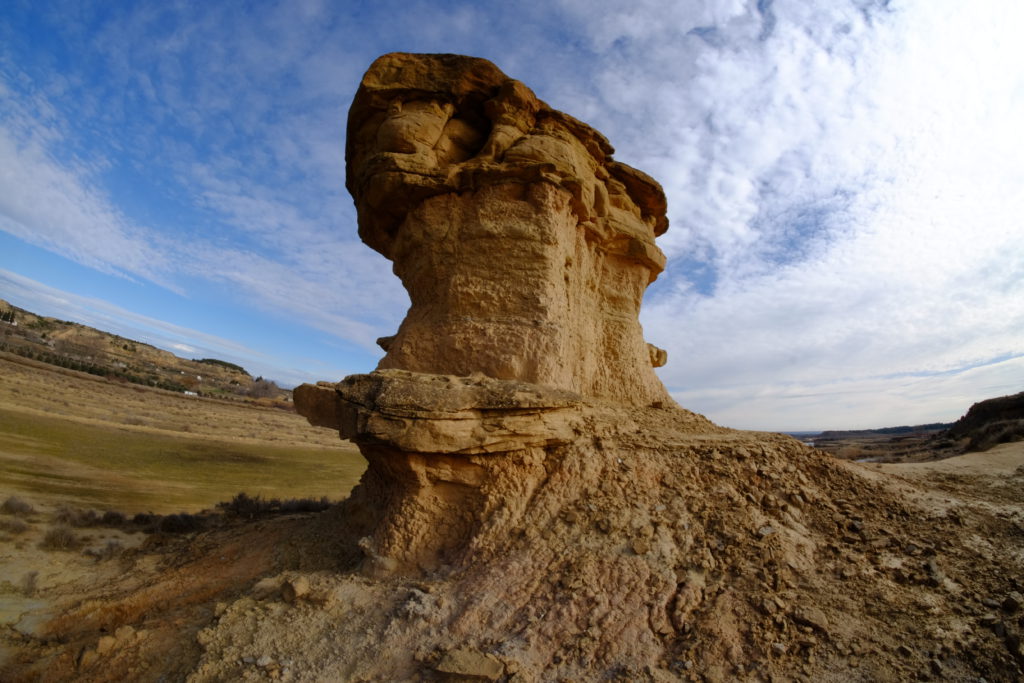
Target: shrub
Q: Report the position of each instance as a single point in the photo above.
(76, 517)
(113, 518)
(13, 526)
(305, 505)
(16, 506)
(181, 523)
(996, 433)
(144, 519)
(243, 505)
(60, 538)
(112, 549)
(29, 584)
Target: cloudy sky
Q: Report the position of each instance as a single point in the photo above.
(845, 183)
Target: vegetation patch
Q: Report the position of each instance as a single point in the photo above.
(16, 506)
(60, 538)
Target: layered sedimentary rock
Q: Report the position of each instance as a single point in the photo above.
(526, 250)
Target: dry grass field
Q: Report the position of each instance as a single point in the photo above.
(71, 438)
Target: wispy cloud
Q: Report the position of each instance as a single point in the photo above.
(844, 191)
(844, 177)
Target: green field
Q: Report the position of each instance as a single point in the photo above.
(47, 458)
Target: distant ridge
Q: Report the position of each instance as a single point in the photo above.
(991, 422)
(915, 430)
(82, 348)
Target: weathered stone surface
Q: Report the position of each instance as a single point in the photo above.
(525, 248)
(424, 413)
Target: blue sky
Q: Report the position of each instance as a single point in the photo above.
(845, 184)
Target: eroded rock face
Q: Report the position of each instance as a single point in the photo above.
(526, 250)
(524, 247)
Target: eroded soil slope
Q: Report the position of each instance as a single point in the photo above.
(745, 564)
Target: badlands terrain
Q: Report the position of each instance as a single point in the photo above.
(923, 565)
(535, 506)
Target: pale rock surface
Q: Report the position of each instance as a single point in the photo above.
(525, 248)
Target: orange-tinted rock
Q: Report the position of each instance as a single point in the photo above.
(525, 248)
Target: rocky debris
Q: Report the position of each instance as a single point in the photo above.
(294, 589)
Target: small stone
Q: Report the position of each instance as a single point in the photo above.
(640, 546)
(765, 531)
(1013, 602)
(294, 589)
(220, 608)
(990, 603)
(779, 648)
(89, 657)
(936, 666)
(124, 634)
(904, 651)
(812, 617)
(265, 661)
(467, 662)
(105, 644)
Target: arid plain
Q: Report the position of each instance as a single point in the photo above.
(76, 439)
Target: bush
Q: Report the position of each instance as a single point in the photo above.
(109, 551)
(29, 584)
(16, 506)
(113, 518)
(996, 433)
(60, 538)
(181, 523)
(13, 526)
(144, 519)
(76, 517)
(245, 506)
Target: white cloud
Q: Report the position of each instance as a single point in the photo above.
(844, 177)
(852, 183)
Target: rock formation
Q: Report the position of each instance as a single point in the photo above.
(526, 250)
(524, 247)
(535, 507)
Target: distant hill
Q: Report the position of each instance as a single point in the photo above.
(86, 349)
(916, 430)
(991, 422)
(986, 424)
